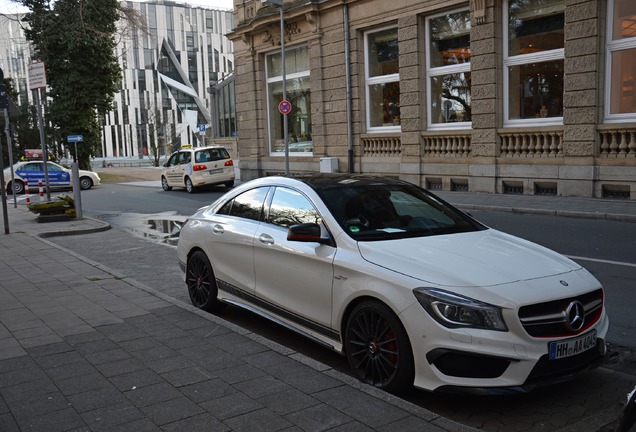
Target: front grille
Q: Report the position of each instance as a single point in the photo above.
(549, 319)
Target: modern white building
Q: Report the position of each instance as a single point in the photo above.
(168, 70)
(15, 54)
(171, 71)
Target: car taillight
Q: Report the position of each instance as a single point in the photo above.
(199, 167)
(229, 163)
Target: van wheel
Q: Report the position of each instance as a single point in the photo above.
(188, 185)
(164, 184)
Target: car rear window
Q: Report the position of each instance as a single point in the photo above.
(212, 154)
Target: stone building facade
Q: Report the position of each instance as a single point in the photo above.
(500, 96)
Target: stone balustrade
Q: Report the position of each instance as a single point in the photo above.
(617, 141)
(531, 143)
(381, 145)
(447, 145)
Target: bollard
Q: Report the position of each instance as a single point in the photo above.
(41, 189)
(26, 191)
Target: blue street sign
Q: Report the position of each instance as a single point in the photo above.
(75, 138)
(201, 128)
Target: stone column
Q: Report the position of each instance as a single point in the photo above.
(581, 94)
(485, 64)
(412, 69)
(249, 108)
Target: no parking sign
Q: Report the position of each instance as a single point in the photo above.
(284, 107)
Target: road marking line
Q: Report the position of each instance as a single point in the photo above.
(619, 263)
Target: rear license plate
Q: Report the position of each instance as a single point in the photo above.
(571, 347)
(216, 171)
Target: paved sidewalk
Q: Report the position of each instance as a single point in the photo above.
(84, 347)
(587, 208)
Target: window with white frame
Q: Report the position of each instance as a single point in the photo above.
(448, 70)
(620, 101)
(534, 44)
(298, 94)
(382, 73)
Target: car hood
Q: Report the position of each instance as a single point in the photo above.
(481, 258)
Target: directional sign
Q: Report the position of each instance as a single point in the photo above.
(75, 138)
(284, 107)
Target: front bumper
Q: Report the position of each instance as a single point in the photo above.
(482, 361)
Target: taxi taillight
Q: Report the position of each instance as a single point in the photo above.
(199, 167)
(229, 163)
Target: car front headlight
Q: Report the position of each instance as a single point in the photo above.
(455, 311)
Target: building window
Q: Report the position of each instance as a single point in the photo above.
(298, 94)
(448, 70)
(226, 108)
(621, 61)
(382, 74)
(533, 61)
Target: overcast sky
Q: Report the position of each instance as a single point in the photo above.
(8, 7)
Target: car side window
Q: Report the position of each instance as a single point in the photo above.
(184, 157)
(50, 167)
(248, 205)
(33, 167)
(173, 160)
(290, 207)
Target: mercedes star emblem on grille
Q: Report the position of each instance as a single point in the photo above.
(575, 316)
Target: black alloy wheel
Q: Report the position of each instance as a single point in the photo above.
(378, 348)
(201, 283)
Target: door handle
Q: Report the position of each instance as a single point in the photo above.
(266, 239)
(218, 229)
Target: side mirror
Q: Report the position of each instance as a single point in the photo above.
(307, 233)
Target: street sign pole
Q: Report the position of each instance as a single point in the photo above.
(10, 151)
(37, 80)
(282, 54)
(3, 195)
(45, 156)
(77, 196)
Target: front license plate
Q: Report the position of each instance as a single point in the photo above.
(571, 347)
(216, 171)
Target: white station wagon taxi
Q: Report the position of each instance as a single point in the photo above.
(191, 168)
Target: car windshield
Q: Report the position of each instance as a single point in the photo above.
(393, 210)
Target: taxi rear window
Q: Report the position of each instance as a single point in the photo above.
(213, 154)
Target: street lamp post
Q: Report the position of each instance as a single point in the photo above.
(279, 3)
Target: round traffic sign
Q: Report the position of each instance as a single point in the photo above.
(284, 107)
